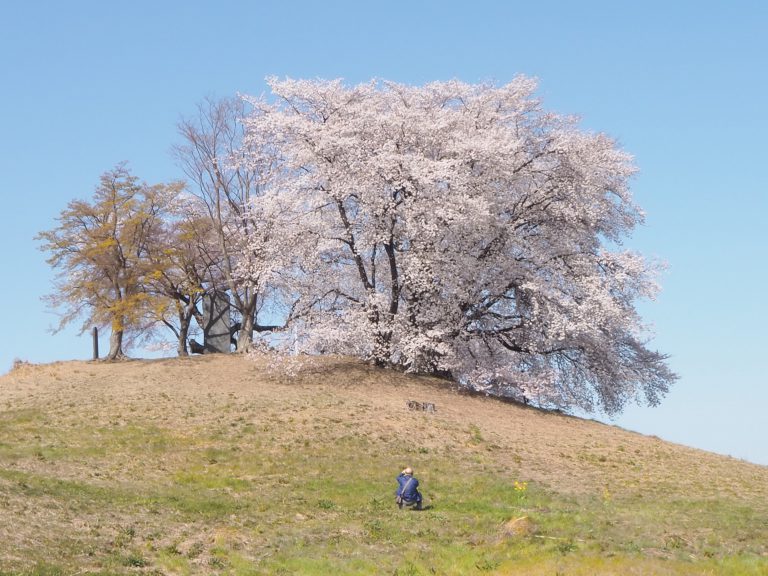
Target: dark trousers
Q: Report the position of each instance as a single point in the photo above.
(415, 504)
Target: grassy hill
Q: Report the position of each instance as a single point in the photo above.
(219, 465)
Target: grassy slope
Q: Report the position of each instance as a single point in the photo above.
(218, 465)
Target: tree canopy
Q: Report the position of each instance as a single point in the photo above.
(459, 229)
(452, 229)
(100, 249)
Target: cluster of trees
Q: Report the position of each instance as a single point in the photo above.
(139, 258)
(452, 229)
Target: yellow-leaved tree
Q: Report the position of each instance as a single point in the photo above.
(100, 247)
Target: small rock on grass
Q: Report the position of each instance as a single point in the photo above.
(520, 527)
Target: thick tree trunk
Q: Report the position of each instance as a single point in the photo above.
(184, 322)
(115, 345)
(245, 335)
(394, 276)
(380, 355)
(382, 345)
(186, 313)
(117, 325)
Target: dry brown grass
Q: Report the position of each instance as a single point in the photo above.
(567, 453)
(330, 401)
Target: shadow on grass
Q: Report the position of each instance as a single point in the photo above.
(414, 509)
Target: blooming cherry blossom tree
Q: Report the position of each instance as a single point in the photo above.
(456, 229)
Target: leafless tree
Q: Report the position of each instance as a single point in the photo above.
(211, 154)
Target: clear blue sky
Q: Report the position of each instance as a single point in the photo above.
(682, 85)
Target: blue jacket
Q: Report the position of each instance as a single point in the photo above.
(411, 494)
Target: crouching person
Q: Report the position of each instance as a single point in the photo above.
(407, 494)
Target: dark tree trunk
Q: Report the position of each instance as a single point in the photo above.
(382, 347)
(184, 321)
(186, 313)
